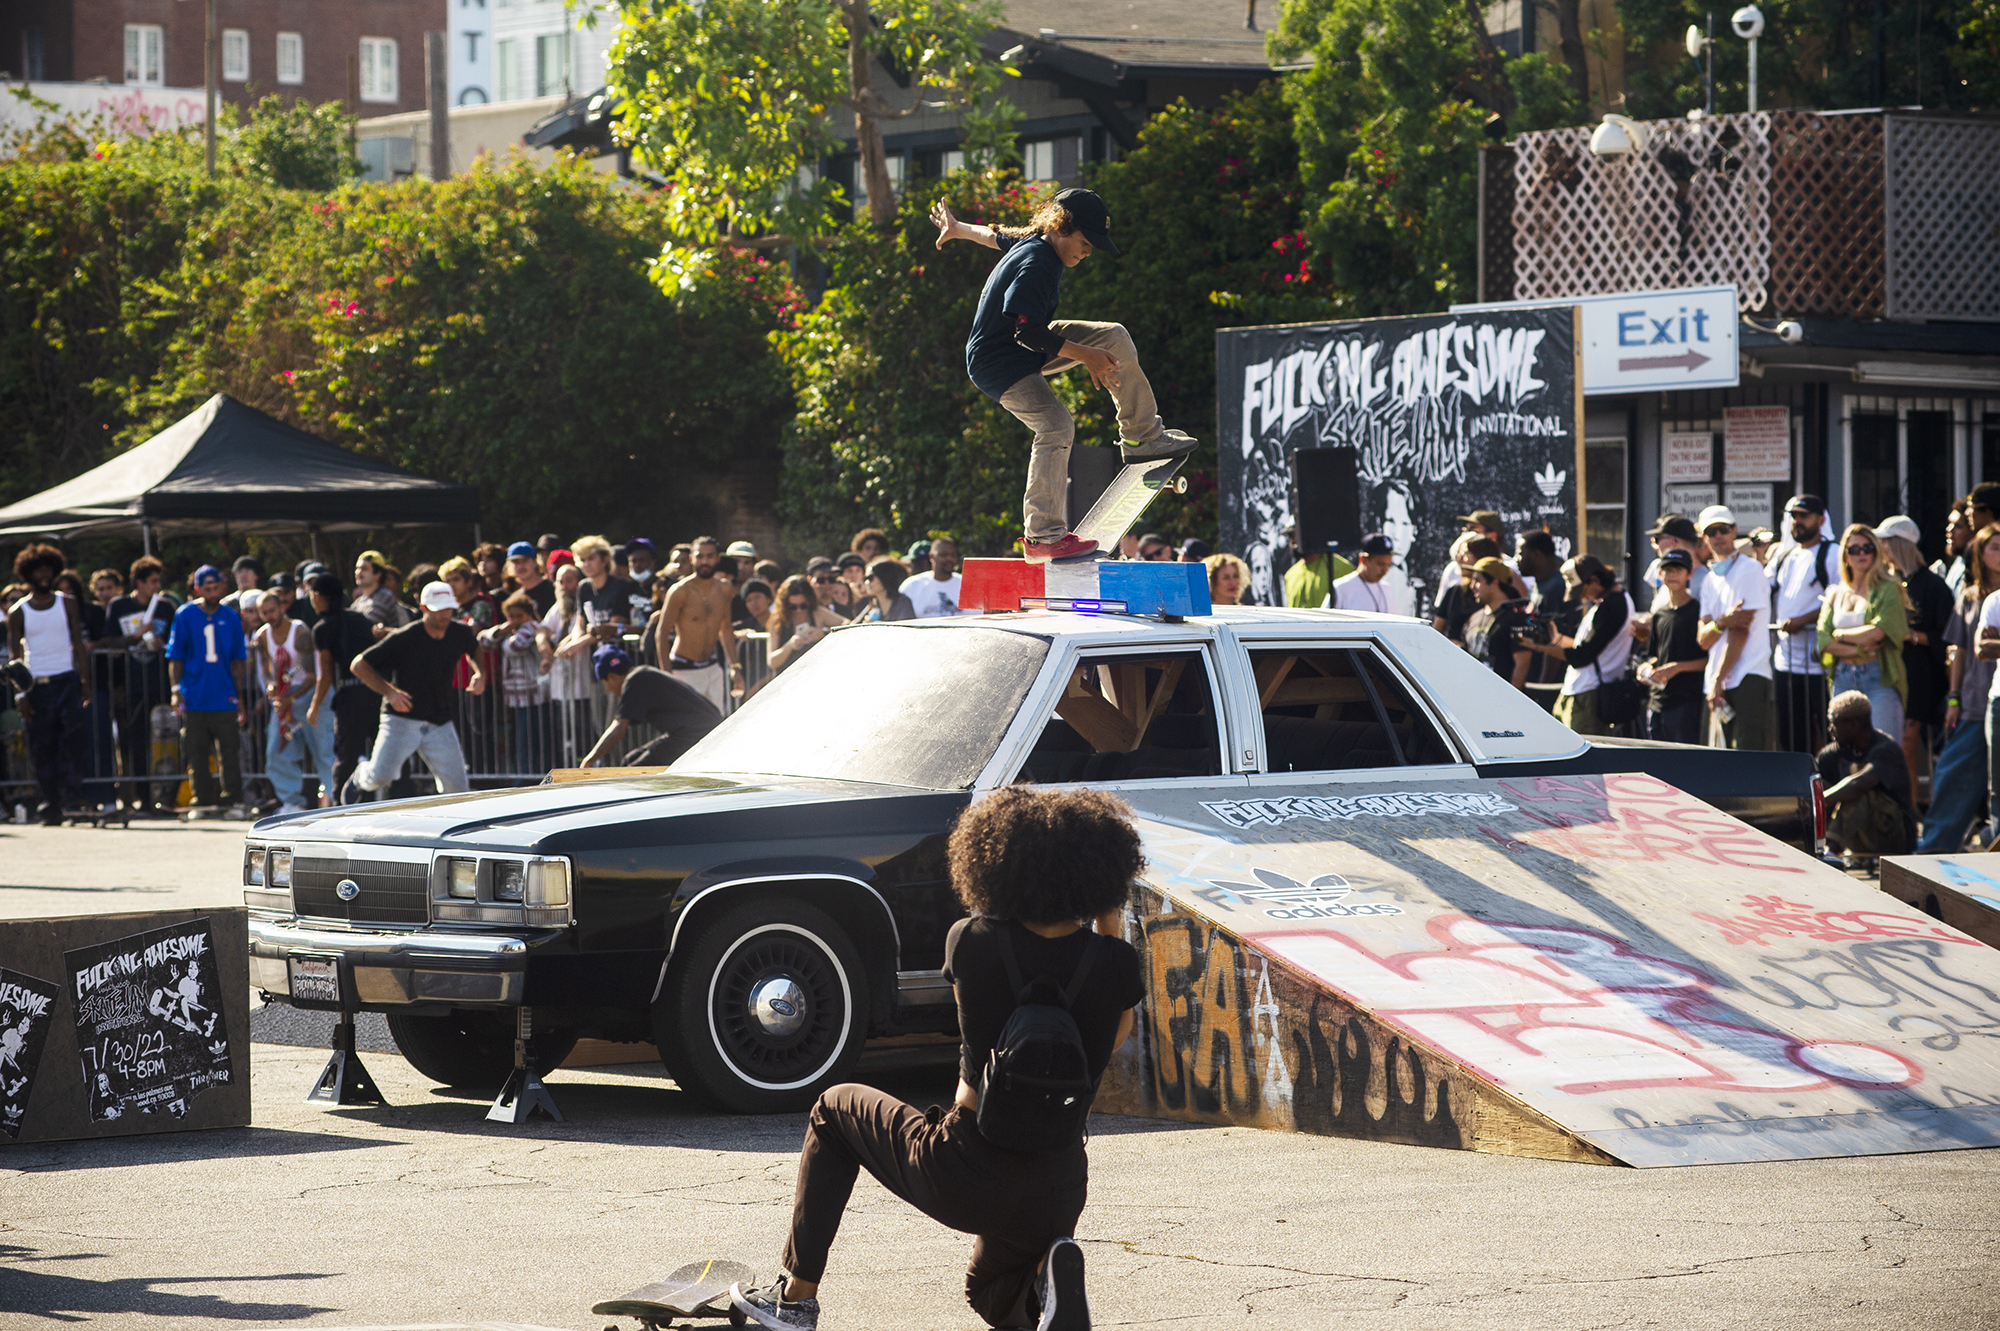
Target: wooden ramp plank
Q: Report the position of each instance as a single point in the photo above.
(1579, 967)
(1961, 890)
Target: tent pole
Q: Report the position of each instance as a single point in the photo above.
(477, 539)
(314, 533)
(146, 538)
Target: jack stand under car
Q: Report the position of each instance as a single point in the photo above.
(524, 1093)
(345, 1081)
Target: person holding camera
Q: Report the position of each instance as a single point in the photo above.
(1597, 654)
(1039, 870)
(1675, 659)
(1498, 631)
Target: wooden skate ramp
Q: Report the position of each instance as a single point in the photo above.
(1584, 968)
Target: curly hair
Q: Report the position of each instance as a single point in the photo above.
(1044, 856)
(1051, 219)
(39, 555)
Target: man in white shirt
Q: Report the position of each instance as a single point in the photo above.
(1736, 631)
(935, 594)
(1800, 577)
(1364, 588)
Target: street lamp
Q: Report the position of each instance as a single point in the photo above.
(1748, 23)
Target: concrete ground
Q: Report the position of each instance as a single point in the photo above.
(424, 1213)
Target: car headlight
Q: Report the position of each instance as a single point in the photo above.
(510, 880)
(281, 868)
(462, 881)
(253, 867)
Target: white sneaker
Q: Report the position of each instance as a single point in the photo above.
(284, 809)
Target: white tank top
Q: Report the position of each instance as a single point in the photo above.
(45, 634)
(1849, 610)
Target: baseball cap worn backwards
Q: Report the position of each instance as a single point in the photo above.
(1092, 218)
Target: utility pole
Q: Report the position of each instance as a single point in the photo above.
(210, 61)
(436, 75)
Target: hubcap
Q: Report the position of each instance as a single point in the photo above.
(778, 1006)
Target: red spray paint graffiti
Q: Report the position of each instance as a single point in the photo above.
(1577, 1011)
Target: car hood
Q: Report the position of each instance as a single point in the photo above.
(524, 816)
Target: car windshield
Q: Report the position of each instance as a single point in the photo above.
(885, 703)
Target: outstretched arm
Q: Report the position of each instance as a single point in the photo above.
(950, 228)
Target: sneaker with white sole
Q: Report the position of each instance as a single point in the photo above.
(1067, 546)
(768, 1307)
(1170, 444)
(1059, 1289)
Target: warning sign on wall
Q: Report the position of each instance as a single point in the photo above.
(1757, 444)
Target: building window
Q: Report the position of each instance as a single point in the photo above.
(291, 58)
(552, 65)
(952, 160)
(378, 69)
(507, 68)
(1604, 499)
(235, 55)
(144, 65)
(31, 53)
(1051, 159)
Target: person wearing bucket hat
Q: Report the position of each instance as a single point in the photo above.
(1017, 343)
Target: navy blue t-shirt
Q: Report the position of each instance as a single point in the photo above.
(1025, 284)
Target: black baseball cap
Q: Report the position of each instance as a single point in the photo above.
(1677, 559)
(1375, 543)
(1810, 503)
(1091, 217)
(1676, 526)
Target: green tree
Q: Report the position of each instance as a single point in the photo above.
(300, 146)
(1389, 119)
(736, 101)
(1815, 55)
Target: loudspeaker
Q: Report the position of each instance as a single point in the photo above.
(1326, 499)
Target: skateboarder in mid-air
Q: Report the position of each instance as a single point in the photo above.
(1037, 869)
(1017, 342)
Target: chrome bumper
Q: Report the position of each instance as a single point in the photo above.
(388, 968)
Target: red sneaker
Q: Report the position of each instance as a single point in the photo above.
(1071, 546)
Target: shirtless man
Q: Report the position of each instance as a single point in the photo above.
(697, 615)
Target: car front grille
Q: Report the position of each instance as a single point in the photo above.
(391, 893)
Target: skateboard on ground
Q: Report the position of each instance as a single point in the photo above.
(697, 1290)
(1119, 507)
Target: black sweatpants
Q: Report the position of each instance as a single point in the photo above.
(1015, 1204)
(201, 732)
(53, 734)
(357, 714)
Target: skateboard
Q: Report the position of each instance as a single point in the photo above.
(1130, 491)
(697, 1290)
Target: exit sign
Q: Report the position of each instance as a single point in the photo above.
(1651, 341)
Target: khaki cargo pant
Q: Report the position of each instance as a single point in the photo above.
(1035, 405)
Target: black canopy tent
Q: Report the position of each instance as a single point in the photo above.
(229, 466)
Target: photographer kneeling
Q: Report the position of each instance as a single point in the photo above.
(1596, 656)
(1037, 869)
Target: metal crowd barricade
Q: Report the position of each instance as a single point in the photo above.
(131, 735)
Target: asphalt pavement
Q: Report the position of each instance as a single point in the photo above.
(425, 1214)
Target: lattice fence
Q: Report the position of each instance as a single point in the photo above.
(1826, 215)
(1692, 209)
(1942, 216)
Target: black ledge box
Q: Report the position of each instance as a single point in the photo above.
(115, 1025)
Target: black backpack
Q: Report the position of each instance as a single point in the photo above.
(1036, 1089)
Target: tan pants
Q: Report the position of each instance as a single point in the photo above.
(1035, 405)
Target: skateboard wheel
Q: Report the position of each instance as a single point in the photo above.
(737, 1317)
(1180, 485)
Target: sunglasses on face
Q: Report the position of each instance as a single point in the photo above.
(1860, 549)
(823, 579)
(1720, 531)
(798, 605)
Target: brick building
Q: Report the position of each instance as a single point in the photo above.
(298, 48)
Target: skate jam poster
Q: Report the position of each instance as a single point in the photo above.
(149, 1025)
(1449, 413)
(27, 1007)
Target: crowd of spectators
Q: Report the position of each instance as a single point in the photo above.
(1746, 640)
(349, 672)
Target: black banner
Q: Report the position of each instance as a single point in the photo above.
(1447, 413)
(149, 1025)
(27, 1010)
